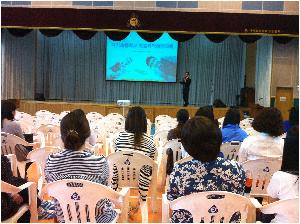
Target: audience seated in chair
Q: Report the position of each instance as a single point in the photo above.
(231, 130)
(8, 125)
(205, 172)
(285, 183)
(75, 163)
(134, 137)
(207, 111)
(268, 143)
(182, 116)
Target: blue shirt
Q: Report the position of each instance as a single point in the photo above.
(233, 132)
(286, 125)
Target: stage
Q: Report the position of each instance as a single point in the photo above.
(152, 111)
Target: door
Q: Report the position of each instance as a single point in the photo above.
(284, 100)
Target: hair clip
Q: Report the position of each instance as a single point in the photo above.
(72, 131)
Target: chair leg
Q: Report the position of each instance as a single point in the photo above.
(144, 211)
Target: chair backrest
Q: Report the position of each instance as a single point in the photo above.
(175, 145)
(63, 113)
(50, 133)
(13, 163)
(260, 172)
(93, 116)
(78, 198)
(231, 150)
(159, 118)
(20, 116)
(160, 138)
(213, 206)
(9, 142)
(128, 165)
(41, 155)
(246, 123)
(289, 208)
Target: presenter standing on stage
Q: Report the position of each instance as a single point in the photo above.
(186, 81)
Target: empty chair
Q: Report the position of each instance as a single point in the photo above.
(211, 206)
(22, 116)
(44, 116)
(160, 118)
(134, 170)
(286, 210)
(259, 172)
(8, 146)
(50, 134)
(93, 116)
(31, 206)
(78, 200)
(231, 150)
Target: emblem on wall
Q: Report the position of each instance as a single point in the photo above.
(133, 22)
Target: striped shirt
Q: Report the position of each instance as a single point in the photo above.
(70, 164)
(125, 140)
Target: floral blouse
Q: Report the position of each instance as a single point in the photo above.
(196, 176)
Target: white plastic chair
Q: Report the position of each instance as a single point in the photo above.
(78, 199)
(43, 116)
(231, 150)
(204, 207)
(160, 118)
(31, 206)
(93, 116)
(149, 126)
(63, 113)
(246, 123)
(260, 172)
(160, 138)
(288, 208)
(129, 164)
(13, 164)
(20, 116)
(175, 145)
(50, 135)
(40, 156)
(220, 121)
(8, 146)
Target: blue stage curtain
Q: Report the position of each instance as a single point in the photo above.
(17, 66)
(68, 68)
(263, 71)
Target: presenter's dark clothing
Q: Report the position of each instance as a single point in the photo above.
(185, 91)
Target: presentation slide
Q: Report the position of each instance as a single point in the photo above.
(134, 59)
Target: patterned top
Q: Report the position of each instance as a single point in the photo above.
(71, 164)
(195, 176)
(125, 140)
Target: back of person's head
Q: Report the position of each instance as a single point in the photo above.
(136, 120)
(75, 129)
(16, 102)
(201, 138)
(206, 111)
(232, 116)
(7, 110)
(182, 116)
(294, 116)
(268, 120)
(290, 157)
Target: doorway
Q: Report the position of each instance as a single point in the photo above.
(284, 100)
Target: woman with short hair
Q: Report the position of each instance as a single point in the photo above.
(268, 141)
(202, 139)
(182, 116)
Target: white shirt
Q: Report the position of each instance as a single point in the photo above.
(260, 146)
(283, 186)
